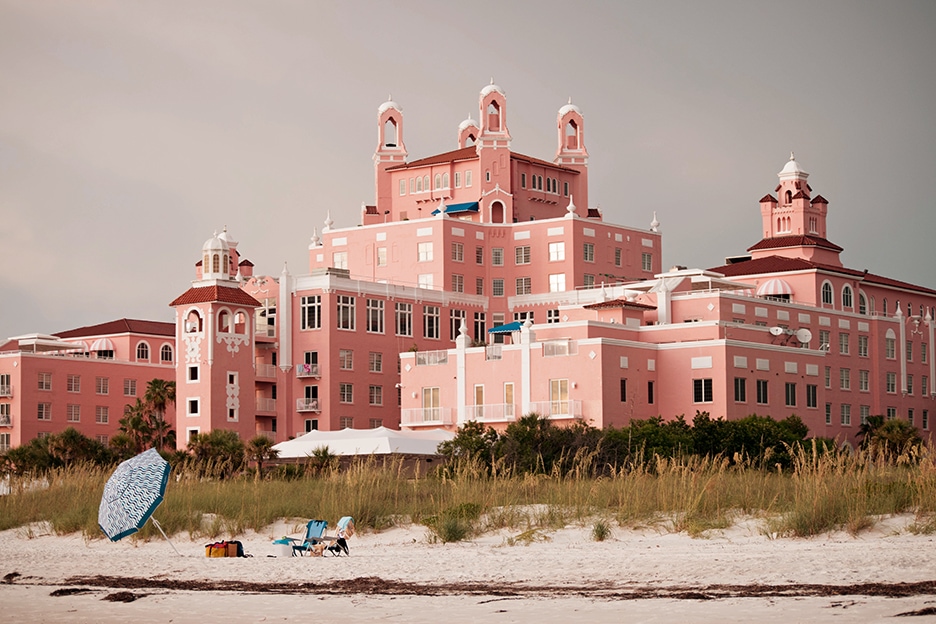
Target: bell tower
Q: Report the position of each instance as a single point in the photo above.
(493, 147)
(571, 151)
(390, 151)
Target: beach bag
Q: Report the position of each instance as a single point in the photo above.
(218, 549)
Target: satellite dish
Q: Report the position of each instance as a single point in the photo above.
(776, 331)
(803, 335)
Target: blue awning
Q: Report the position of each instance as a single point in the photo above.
(466, 207)
(506, 329)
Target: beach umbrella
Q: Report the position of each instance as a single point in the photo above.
(132, 494)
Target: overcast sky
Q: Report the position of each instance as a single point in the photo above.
(131, 131)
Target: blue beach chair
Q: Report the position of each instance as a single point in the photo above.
(315, 534)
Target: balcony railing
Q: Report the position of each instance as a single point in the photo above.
(426, 416)
(270, 434)
(6, 391)
(495, 412)
(431, 358)
(266, 371)
(6, 421)
(493, 352)
(307, 405)
(307, 370)
(265, 331)
(557, 409)
(555, 348)
(266, 405)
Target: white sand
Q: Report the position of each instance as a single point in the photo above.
(576, 578)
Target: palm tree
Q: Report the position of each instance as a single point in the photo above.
(260, 449)
(135, 424)
(159, 395)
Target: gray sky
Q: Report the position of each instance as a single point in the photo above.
(130, 131)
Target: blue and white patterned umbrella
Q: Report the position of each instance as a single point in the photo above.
(132, 494)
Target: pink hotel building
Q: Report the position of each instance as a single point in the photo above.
(480, 286)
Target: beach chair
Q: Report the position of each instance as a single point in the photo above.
(314, 541)
(345, 530)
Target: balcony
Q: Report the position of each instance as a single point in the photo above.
(557, 409)
(307, 405)
(557, 348)
(266, 405)
(269, 434)
(6, 421)
(495, 412)
(307, 370)
(493, 352)
(427, 416)
(266, 371)
(6, 391)
(265, 333)
(431, 358)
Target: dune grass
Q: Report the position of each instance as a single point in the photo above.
(823, 492)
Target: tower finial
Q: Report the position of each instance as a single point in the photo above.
(570, 99)
(654, 225)
(492, 79)
(792, 157)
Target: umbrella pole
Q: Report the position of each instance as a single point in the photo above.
(164, 536)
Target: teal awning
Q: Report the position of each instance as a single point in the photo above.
(466, 207)
(506, 329)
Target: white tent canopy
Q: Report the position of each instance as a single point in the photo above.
(379, 441)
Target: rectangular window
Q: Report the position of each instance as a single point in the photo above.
(925, 423)
(425, 280)
(102, 385)
(650, 393)
(845, 378)
(559, 396)
(346, 422)
(73, 413)
(828, 376)
(762, 392)
(345, 312)
(890, 348)
(377, 423)
(565, 189)
(891, 383)
(891, 413)
(479, 285)
(346, 392)
(310, 312)
(456, 319)
(458, 252)
(909, 384)
(479, 255)
(522, 254)
(552, 316)
(193, 372)
(864, 383)
(73, 383)
(924, 386)
(424, 252)
(375, 316)
(910, 416)
(843, 344)
(646, 261)
(44, 411)
(909, 351)
(193, 407)
(468, 178)
(375, 362)
(404, 319)
(381, 256)
(701, 390)
(497, 256)
(828, 413)
(480, 327)
(402, 187)
(346, 359)
(523, 286)
(588, 252)
(824, 337)
(846, 415)
(617, 256)
(623, 390)
(45, 381)
(522, 180)
(588, 280)
(923, 352)
(340, 260)
(740, 390)
(130, 387)
(557, 282)
(431, 321)
(375, 395)
(790, 394)
(862, 346)
(497, 287)
(556, 252)
(508, 400)
(812, 395)
(865, 411)
(102, 414)
(458, 283)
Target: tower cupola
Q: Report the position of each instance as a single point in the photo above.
(216, 260)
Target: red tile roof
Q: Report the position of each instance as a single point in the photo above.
(768, 198)
(779, 264)
(619, 303)
(819, 200)
(542, 163)
(221, 294)
(370, 210)
(465, 153)
(794, 241)
(122, 326)
(245, 263)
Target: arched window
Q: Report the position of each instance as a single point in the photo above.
(216, 263)
(193, 322)
(846, 296)
(438, 181)
(445, 180)
(571, 133)
(789, 197)
(862, 304)
(909, 309)
(884, 310)
(826, 293)
(206, 263)
(143, 351)
(426, 183)
(497, 212)
(165, 354)
(493, 112)
(224, 322)
(226, 264)
(390, 133)
(240, 323)
(419, 185)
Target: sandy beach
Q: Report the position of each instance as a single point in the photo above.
(639, 575)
